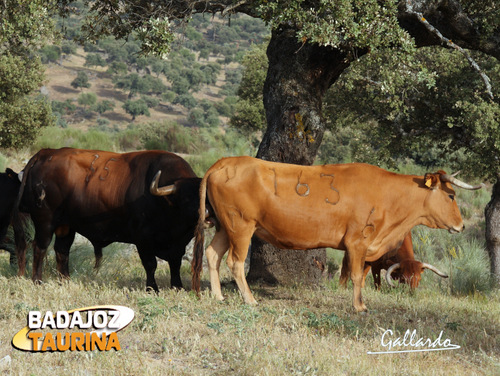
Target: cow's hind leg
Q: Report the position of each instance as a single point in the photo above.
(236, 261)
(62, 246)
(344, 271)
(215, 251)
(43, 237)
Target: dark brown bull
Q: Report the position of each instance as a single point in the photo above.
(147, 198)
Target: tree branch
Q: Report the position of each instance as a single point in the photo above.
(448, 43)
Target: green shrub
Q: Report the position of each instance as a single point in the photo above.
(461, 256)
(470, 269)
(55, 137)
(166, 136)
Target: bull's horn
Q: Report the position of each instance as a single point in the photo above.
(162, 191)
(388, 277)
(434, 269)
(453, 180)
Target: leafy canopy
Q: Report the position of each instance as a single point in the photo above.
(24, 27)
(345, 24)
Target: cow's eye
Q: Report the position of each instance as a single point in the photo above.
(451, 197)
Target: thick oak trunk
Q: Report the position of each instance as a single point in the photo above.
(297, 79)
(492, 215)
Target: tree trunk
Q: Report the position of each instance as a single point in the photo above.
(297, 79)
(492, 215)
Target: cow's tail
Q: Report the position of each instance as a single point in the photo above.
(18, 221)
(199, 239)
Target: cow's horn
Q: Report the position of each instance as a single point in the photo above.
(388, 277)
(161, 191)
(453, 180)
(434, 269)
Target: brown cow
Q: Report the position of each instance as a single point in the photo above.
(362, 209)
(400, 263)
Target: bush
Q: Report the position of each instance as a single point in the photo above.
(462, 257)
(167, 136)
(50, 54)
(55, 137)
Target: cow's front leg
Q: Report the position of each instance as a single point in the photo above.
(149, 262)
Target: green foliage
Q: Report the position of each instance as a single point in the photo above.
(431, 109)
(186, 100)
(136, 108)
(346, 24)
(21, 73)
(94, 60)
(249, 114)
(68, 47)
(19, 76)
(117, 67)
(63, 108)
(136, 84)
(50, 54)
(87, 99)
(26, 25)
(167, 136)
(103, 106)
(55, 137)
(463, 258)
(81, 81)
(21, 120)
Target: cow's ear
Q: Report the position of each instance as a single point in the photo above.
(431, 181)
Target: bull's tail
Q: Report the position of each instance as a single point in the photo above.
(18, 221)
(199, 239)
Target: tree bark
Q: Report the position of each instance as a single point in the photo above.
(492, 215)
(297, 79)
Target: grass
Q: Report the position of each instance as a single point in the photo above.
(293, 331)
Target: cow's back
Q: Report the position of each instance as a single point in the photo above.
(100, 194)
(311, 204)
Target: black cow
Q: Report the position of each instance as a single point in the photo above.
(9, 188)
(148, 198)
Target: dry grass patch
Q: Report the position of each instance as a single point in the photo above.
(293, 331)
